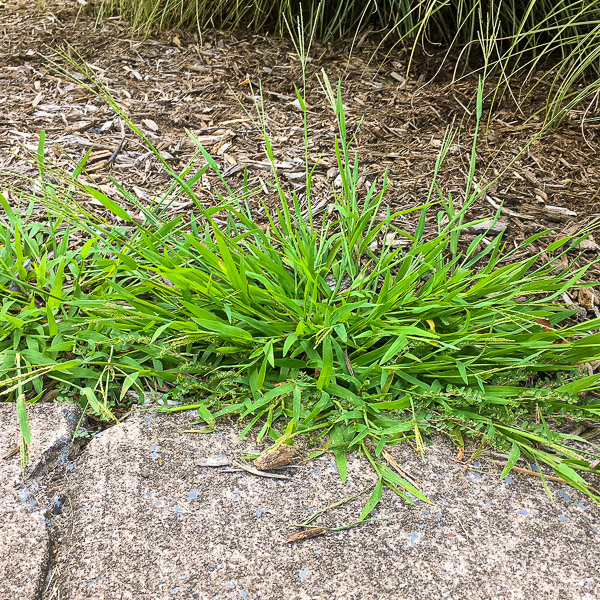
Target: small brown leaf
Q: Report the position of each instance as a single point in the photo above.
(545, 324)
(305, 535)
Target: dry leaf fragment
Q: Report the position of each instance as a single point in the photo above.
(589, 244)
(277, 456)
(150, 124)
(214, 461)
(559, 211)
(307, 534)
(587, 298)
(10, 452)
(544, 324)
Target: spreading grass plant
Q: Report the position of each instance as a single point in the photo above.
(329, 329)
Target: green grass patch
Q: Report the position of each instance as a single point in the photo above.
(320, 328)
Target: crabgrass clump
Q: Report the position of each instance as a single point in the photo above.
(325, 328)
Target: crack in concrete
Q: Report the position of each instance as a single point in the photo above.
(42, 489)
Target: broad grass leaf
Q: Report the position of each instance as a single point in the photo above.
(463, 371)
(327, 368)
(271, 395)
(336, 435)
(373, 500)
(393, 478)
(56, 293)
(23, 419)
(130, 380)
(513, 457)
(290, 340)
(579, 385)
(111, 205)
(91, 398)
(399, 404)
(14, 321)
(297, 404)
(400, 342)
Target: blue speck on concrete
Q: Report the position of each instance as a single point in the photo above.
(438, 515)
(316, 470)
(244, 594)
(159, 504)
(508, 480)
(303, 574)
(523, 511)
(564, 519)
(236, 496)
(534, 467)
(193, 495)
(582, 505)
(148, 494)
(487, 505)
(564, 495)
(174, 590)
(332, 467)
(260, 512)
(414, 536)
(179, 510)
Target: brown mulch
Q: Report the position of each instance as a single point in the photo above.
(176, 81)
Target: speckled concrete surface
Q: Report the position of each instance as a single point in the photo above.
(25, 533)
(144, 521)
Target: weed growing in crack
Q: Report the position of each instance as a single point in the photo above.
(320, 329)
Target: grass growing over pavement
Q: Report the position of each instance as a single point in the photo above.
(324, 329)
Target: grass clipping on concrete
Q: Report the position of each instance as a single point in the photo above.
(327, 329)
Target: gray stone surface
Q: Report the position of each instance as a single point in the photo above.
(143, 521)
(25, 539)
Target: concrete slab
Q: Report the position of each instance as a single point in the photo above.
(144, 521)
(25, 540)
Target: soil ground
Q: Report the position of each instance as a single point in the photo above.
(176, 81)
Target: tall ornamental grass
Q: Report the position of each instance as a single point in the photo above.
(560, 39)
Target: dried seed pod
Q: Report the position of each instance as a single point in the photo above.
(307, 534)
(276, 456)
